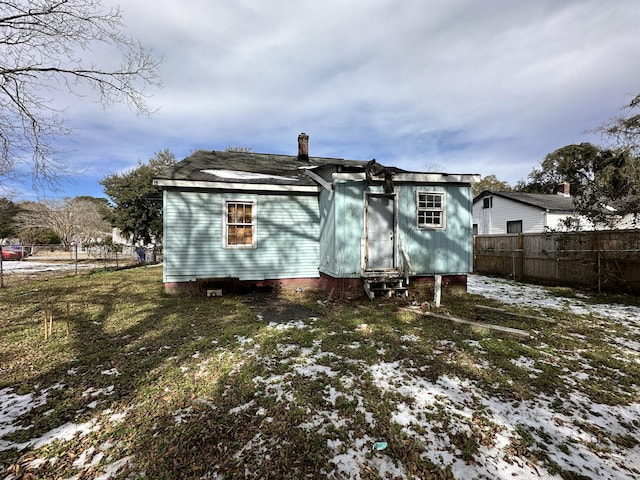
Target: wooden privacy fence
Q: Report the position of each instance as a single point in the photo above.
(601, 260)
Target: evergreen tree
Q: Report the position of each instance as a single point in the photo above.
(136, 204)
(8, 216)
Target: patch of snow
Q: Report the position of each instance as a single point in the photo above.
(242, 408)
(181, 414)
(526, 363)
(409, 338)
(94, 392)
(117, 417)
(12, 407)
(111, 470)
(510, 292)
(64, 432)
(298, 324)
(28, 267)
(240, 175)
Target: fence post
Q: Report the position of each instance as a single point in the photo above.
(521, 254)
(75, 249)
(598, 262)
(474, 256)
(1, 272)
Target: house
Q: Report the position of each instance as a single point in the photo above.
(235, 219)
(499, 213)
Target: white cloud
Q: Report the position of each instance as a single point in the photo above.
(480, 87)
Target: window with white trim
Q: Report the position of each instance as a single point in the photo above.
(514, 226)
(430, 209)
(240, 224)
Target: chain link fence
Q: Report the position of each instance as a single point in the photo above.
(21, 264)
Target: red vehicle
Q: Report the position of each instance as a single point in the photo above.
(14, 253)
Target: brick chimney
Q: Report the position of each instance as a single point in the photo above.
(564, 189)
(303, 146)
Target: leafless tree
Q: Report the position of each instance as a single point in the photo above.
(74, 220)
(47, 49)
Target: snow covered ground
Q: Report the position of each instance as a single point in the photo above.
(510, 292)
(27, 267)
(578, 435)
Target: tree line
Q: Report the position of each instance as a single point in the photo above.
(134, 208)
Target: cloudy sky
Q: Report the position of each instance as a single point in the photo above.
(462, 86)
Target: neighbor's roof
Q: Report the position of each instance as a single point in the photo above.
(207, 169)
(551, 202)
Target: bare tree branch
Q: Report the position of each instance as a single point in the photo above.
(47, 46)
(74, 220)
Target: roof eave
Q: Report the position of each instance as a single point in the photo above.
(265, 187)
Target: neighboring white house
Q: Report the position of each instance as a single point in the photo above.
(499, 213)
(496, 213)
(119, 239)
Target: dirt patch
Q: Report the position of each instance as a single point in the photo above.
(275, 308)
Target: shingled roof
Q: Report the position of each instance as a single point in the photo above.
(550, 202)
(248, 167)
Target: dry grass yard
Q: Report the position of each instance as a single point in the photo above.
(131, 383)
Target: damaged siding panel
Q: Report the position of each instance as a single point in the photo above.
(327, 232)
(286, 244)
(347, 254)
(342, 229)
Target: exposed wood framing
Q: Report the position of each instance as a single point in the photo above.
(321, 181)
(508, 331)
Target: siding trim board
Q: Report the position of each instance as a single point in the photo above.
(234, 186)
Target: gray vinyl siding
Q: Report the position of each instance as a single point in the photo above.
(287, 229)
(493, 221)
